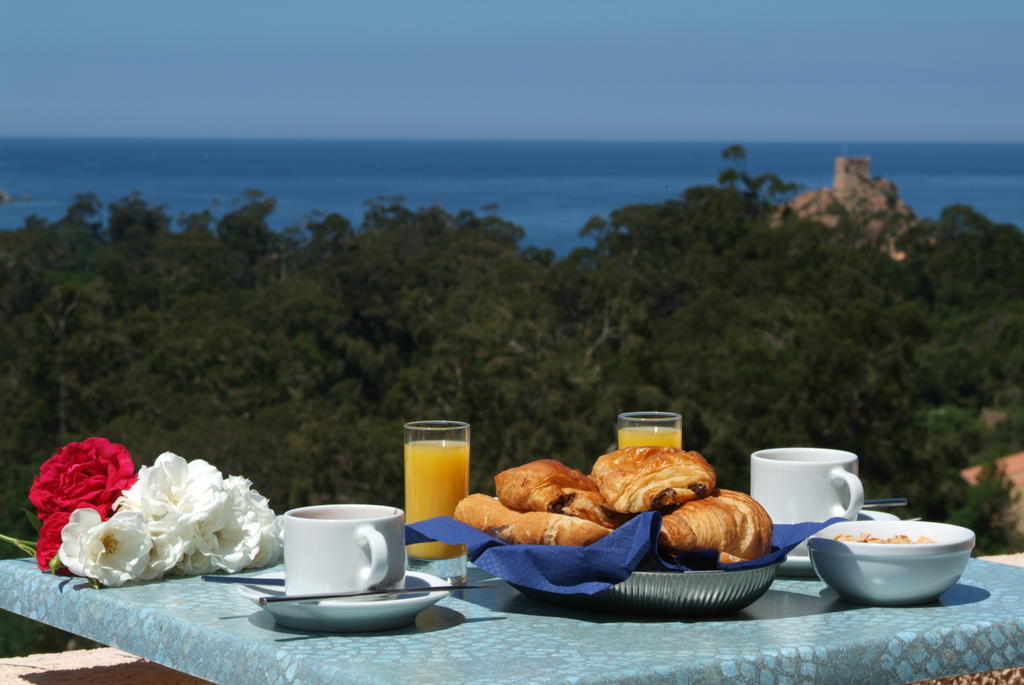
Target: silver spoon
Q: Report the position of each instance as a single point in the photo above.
(885, 502)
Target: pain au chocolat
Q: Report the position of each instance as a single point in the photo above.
(551, 486)
(635, 479)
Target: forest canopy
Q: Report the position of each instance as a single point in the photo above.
(293, 358)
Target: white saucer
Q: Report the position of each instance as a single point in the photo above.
(798, 563)
(348, 615)
(872, 515)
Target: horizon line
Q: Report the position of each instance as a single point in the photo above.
(590, 141)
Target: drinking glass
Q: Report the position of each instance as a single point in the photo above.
(436, 478)
(650, 429)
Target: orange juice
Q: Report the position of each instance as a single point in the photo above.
(436, 478)
(650, 436)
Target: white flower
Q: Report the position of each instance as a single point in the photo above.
(171, 540)
(184, 503)
(271, 542)
(271, 539)
(250, 537)
(173, 488)
(196, 561)
(200, 521)
(234, 545)
(112, 552)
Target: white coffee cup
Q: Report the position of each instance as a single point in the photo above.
(343, 548)
(796, 484)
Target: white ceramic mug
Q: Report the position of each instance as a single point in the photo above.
(796, 484)
(343, 548)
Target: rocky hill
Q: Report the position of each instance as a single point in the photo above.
(874, 203)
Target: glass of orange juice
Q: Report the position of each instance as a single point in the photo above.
(436, 478)
(650, 429)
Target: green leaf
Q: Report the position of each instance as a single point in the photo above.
(34, 520)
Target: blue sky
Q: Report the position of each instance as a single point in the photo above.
(903, 70)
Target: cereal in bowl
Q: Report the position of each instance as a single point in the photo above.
(892, 540)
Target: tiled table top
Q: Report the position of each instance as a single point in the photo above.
(797, 632)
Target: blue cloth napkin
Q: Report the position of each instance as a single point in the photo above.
(595, 567)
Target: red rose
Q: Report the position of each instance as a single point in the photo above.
(90, 473)
(49, 540)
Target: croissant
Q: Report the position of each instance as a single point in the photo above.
(635, 479)
(551, 486)
(731, 522)
(531, 528)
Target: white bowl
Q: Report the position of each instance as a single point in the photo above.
(891, 574)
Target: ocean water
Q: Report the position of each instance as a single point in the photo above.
(550, 189)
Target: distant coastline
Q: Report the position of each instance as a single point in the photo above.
(551, 188)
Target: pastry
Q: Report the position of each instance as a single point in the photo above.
(731, 522)
(635, 479)
(551, 486)
(485, 513)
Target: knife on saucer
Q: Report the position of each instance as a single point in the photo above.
(245, 580)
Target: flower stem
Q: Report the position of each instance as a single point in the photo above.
(25, 546)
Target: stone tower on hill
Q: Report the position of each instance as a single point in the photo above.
(851, 172)
(873, 203)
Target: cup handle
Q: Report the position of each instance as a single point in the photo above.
(856, 492)
(378, 567)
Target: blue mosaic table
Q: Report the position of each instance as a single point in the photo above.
(797, 632)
